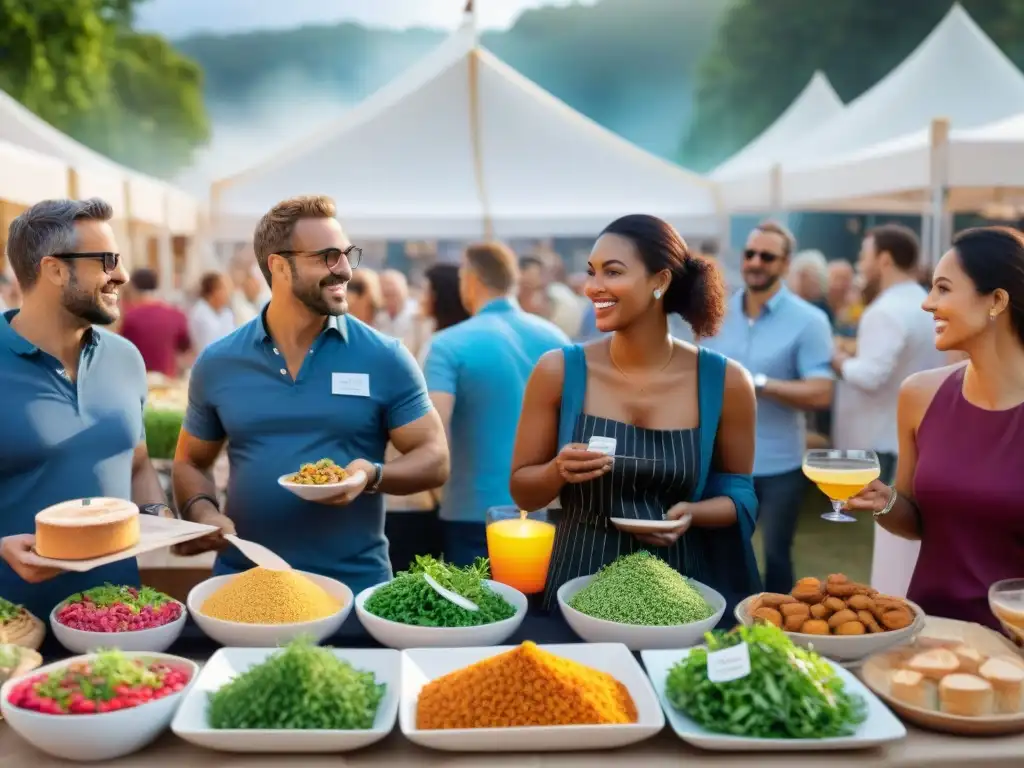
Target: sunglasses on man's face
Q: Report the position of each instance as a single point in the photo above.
(332, 256)
(767, 257)
(110, 260)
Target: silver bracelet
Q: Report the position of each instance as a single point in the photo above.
(888, 505)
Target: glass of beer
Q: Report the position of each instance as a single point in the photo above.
(841, 475)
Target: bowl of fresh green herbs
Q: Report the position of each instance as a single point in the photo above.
(408, 612)
(642, 602)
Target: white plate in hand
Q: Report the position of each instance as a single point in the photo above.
(630, 525)
(191, 723)
(320, 492)
(880, 727)
(421, 665)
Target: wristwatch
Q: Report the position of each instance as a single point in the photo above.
(893, 496)
(759, 381)
(156, 510)
(374, 484)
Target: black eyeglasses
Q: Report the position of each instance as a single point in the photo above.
(110, 260)
(766, 256)
(332, 256)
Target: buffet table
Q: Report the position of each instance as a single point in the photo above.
(920, 748)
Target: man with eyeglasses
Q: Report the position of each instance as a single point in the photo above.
(786, 344)
(301, 382)
(73, 394)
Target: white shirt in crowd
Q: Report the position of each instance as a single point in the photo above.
(206, 324)
(407, 325)
(895, 338)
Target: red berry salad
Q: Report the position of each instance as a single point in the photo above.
(118, 609)
(107, 683)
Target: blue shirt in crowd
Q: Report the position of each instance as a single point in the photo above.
(354, 387)
(63, 439)
(791, 340)
(484, 362)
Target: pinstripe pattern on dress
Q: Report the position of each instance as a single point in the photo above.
(643, 490)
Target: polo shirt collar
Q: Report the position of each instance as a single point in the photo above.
(22, 346)
(335, 324)
(502, 304)
(771, 305)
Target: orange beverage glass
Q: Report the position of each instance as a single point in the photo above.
(519, 545)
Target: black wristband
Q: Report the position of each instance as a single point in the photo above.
(198, 497)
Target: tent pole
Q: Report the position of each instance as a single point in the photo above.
(477, 142)
(939, 188)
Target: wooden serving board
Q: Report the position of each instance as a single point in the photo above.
(947, 633)
(156, 532)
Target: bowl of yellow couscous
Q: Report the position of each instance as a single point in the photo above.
(263, 608)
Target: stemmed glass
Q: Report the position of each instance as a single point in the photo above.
(841, 475)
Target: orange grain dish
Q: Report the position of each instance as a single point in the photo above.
(526, 686)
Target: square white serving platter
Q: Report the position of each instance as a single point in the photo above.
(190, 722)
(421, 665)
(881, 725)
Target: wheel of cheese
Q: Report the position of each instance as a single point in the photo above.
(86, 528)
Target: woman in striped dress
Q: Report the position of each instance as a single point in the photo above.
(682, 419)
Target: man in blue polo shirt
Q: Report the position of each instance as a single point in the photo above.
(786, 343)
(476, 374)
(301, 382)
(71, 425)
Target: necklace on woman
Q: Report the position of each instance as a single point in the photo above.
(671, 352)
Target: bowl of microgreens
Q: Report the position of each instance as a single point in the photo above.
(120, 617)
(410, 612)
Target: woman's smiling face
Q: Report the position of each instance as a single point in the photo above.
(618, 283)
(960, 312)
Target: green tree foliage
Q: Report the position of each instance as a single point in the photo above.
(767, 50)
(79, 65)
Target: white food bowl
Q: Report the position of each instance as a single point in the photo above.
(850, 648)
(102, 736)
(192, 724)
(633, 636)
(154, 640)
(402, 636)
(320, 492)
(238, 634)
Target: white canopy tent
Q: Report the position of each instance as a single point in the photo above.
(462, 146)
(956, 73)
(746, 178)
(133, 195)
(27, 177)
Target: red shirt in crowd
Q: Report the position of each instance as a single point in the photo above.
(160, 331)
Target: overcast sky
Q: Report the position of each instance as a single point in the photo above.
(176, 18)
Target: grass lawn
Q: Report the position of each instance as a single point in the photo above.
(822, 547)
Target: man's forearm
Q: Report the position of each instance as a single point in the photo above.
(424, 468)
(189, 481)
(803, 394)
(146, 488)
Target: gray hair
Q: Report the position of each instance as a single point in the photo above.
(813, 262)
(48, 229)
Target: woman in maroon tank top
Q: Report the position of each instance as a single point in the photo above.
(959, 480)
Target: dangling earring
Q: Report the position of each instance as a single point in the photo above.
(992, 315)
(657, 293)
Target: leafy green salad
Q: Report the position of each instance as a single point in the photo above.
(789, 693)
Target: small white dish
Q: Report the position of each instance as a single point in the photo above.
(881, 726)
(238, 634)
(103, 736)
(851, 649)
(629, 525)
(190, 723)
(421, 665)
(154, 640)
(636, 637)
(401, 636)
(320, 492)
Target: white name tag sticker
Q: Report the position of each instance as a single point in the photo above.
(729, 664)
(602, 444)
(353, 384)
